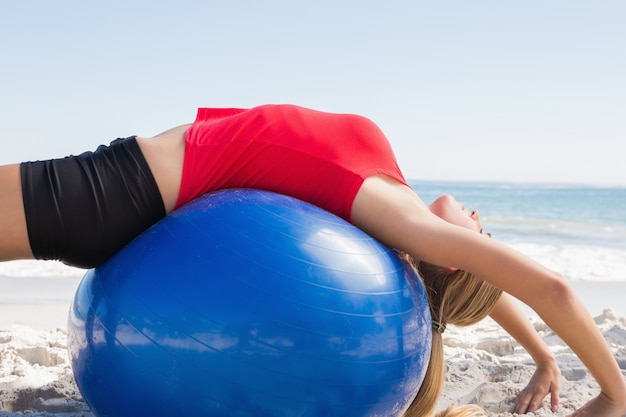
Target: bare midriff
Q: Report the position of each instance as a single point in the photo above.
(165, 155)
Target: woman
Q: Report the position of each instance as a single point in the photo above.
(83, 209)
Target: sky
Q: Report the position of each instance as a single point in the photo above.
(522, 91)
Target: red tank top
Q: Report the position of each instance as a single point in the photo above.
(322, 158)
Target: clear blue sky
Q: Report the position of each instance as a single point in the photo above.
(465, 90)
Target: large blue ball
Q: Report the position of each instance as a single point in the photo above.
(248, 303)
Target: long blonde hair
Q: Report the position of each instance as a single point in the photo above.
(457, 298)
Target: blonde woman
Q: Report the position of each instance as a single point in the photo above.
(84, 208)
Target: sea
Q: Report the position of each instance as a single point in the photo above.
(579, 231)
(576, 230)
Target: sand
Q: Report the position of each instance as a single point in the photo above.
(486, 367)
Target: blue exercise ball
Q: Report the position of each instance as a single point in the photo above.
(250, 303)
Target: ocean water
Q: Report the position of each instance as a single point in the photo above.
(579, 231)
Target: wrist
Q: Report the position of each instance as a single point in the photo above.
(544, 358)
(615, 398)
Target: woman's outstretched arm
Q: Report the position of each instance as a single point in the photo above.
(394, 214)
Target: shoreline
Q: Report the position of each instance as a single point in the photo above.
(43, 303)
(599, 296)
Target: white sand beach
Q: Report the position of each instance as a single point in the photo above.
(485, 366)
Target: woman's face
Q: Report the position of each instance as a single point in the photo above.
(450, 210)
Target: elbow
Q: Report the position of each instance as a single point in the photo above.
(559, 293)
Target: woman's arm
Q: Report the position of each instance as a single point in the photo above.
(547, 376)
(395, 215)
(548, 294)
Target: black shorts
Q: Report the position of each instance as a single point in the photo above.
(83, 209)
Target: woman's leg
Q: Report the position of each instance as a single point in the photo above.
(14, 242)
(164, 155)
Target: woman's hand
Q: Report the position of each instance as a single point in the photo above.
(547, 376)
(601, 406)
(544, 381)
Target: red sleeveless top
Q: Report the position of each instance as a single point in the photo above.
(322, 158)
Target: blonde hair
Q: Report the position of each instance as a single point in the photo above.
(457, 298)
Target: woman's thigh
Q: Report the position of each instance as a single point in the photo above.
(14, 242)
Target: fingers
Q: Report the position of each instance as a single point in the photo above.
(521, 403)
(554, 401)
(528, 402)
